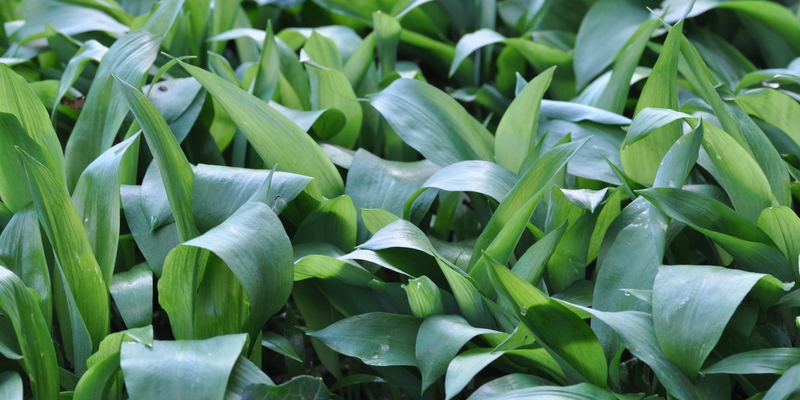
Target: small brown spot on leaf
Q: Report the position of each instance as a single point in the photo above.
(162, 88)
(76, 104)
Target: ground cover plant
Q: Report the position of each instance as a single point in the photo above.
(378, 199)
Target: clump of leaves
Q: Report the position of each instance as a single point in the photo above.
(399, 199)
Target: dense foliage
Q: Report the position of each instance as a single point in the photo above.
(384, 199)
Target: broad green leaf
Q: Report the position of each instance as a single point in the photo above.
(766, 361)
(284, 143)
(570, 258)
(11, 386)
(596, 45)
(326, 267)
(432, 122)
(783, 227)
(330, 89)
(585, 198)
(438, 341)
(69, 20)
(424, 297)
(376, 219)
(175, 169)
(576, 112)
(153, 243)
(649, 120)
(581, 391)
(244, 374)
(334, 222)
(22, 252)
(91, 50)
(565, 336)
(254, 246)
(299, 387)
(692, 304)
(531, 266)
(71, 247)
(745, 241)
(785, 386)
(373, 182)
(129, 59)
(615, 94)
(604, 142)
(197, 369)
(679, 160)
(516, 132)
(96, 198)
(775, 108)
(641, 159)
(529, 186)
(20, 101)
(378, 339)
(132, 291)
(280, 345)
(387, 30)
(20, 306)
(466, 291)
(740, 175)
(104, 366)
(268, 68)
(470, 42)
(628, 259)
(465, 366)
(482, 177)
(638, 336)
(507, 383)
(218, 191)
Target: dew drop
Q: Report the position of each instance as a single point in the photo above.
(384, 348)
(627, 293)
(523, 310)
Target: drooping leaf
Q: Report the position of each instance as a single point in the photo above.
(432, 122)
(284, 144)
(379, 339)
(198, 368)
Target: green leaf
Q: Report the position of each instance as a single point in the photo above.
(96, 198)
(745, 241)
(330, 89)
(783, 227)
(765, 361)
(424, 297)
(529, 187)
(299, 387)
(280, 345)
(516, 132)
(641, 159)
(650, 119)
(476, 176)
(628, 259)
(387, 37)
(432, 122)
(284, 143)
(334, 222)
(775, 108)
(471, 42)
(11, 386)
(785, 386)
(175, 169)
(438, 341)
(129, 59)
(20, 306)
(471, 302)
(376, 219)
(22, 252)
(615, 93)
(508, 383)
(254, 246)
(464, 367)
(378, 339)
(20, 101)
(198, 369)
(692, 304)
(679, 160)
(91, 50)
(565, 337)
(596, 45)
(268, 68)
(72, 249)
(132, 291)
